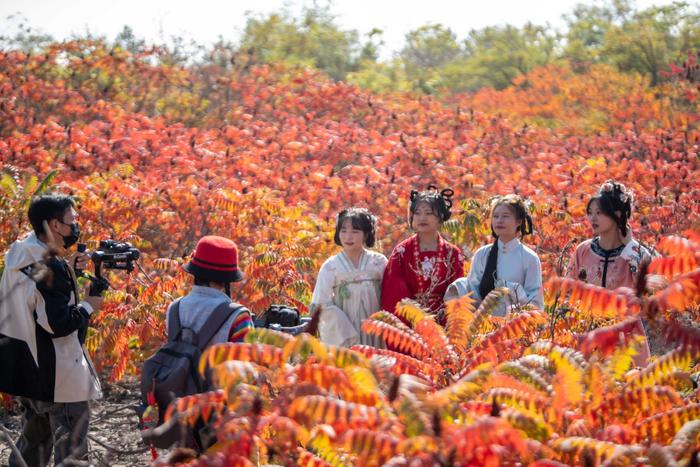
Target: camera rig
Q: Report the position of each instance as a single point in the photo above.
(110, 255)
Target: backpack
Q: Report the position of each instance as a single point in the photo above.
(172, 372)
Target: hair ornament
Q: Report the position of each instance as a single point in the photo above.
(616, 190)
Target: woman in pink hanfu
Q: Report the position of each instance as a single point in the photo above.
(612, 258)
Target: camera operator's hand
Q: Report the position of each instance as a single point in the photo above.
(79, 261)
(94, 302)
(54, 246)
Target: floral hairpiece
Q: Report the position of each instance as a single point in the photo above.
(611, 187)
(607, 186)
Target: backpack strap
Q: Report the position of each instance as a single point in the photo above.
(174, 326)
(217, 319)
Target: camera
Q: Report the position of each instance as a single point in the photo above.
(109, 255)
(283, 318)
(115, 255)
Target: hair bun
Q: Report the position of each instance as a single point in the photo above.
(617, 191)
(439, 200)
(447, 195)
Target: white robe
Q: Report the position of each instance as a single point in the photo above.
(518, 269)
(348, 295)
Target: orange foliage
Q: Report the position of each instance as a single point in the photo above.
(161, 155)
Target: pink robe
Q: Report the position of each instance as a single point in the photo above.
(611, 269)
(607, 268)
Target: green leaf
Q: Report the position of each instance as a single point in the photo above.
(8, 184)
(45, 183)
(30, 182)
(303, 263)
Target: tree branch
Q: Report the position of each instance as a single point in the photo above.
(13, 446)
(120, 452)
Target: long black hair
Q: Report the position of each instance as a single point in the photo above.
(517, 206)
(615, 201)
(439, 201)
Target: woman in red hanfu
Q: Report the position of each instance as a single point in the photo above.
(422, 266)
(612, 258)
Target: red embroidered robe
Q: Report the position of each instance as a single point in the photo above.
(421, 275)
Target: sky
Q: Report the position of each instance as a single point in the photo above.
(206, 20)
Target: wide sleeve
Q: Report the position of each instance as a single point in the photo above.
(380, 263)
(456, 289)
(394, 285)
(533, 281)
(574, 264)
(323, 290)
(335, 328)
(634, 254)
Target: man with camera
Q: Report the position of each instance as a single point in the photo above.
(43, 324)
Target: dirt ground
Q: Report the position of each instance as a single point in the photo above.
(114, 435)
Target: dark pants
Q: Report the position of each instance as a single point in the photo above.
(47, 425)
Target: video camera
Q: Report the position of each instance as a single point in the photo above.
(110, 255)
(115, 255)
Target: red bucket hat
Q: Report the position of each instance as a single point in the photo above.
(215, 259)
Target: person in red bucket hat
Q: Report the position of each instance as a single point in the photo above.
(214, 266)
(204, 317)
(215, 259)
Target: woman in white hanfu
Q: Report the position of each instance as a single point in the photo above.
(348, 285)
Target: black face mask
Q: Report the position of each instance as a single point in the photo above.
(72, 238)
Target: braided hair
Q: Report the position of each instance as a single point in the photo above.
(615, 201)
(519, 209)
(439, 201)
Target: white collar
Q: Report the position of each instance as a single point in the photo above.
(509, 246)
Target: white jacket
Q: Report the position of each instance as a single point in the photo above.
(41, 354)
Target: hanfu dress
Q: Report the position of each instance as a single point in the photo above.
(611, 269)
(518, 269)
(421, 275)
(348, 295)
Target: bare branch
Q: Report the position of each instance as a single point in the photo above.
(13, 446)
